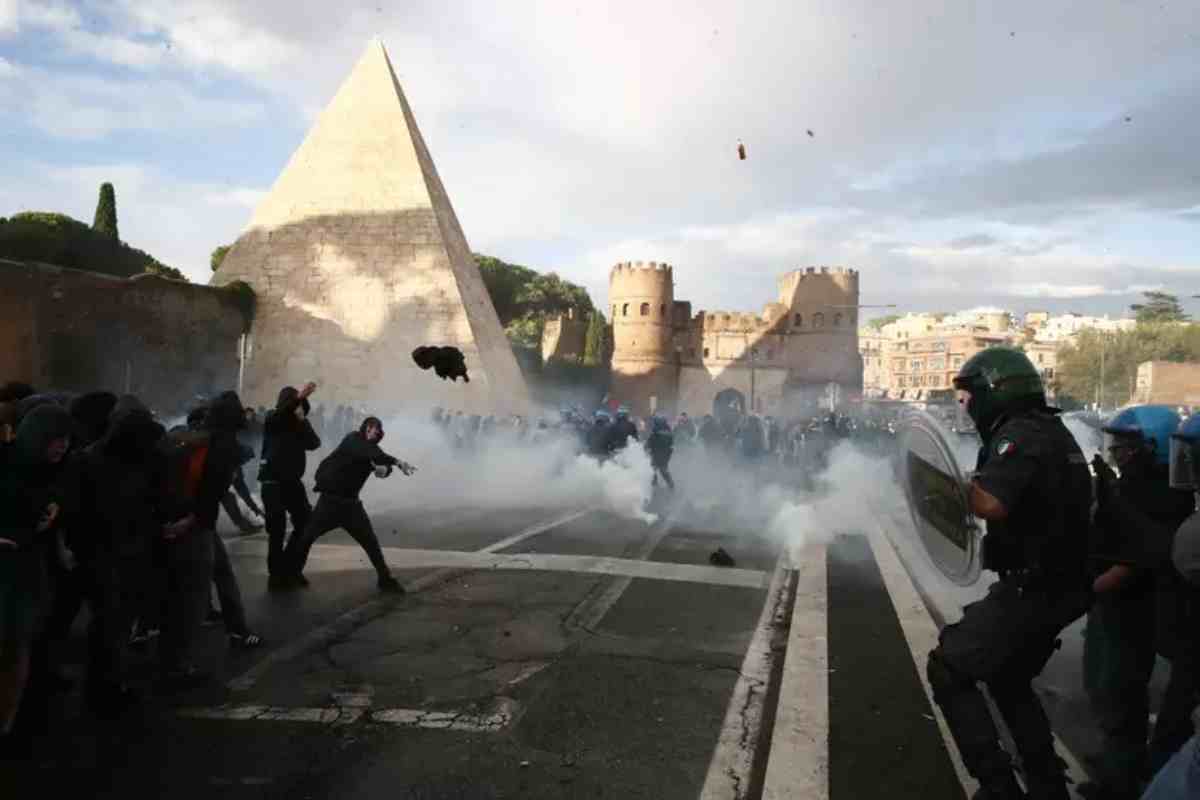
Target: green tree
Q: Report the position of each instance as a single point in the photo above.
(1159, 307)
(1102, 366)
(218, 255)
(156, 268)
(525, 299)
(879, 322)
(106, 213)
(47, 238)
(595, 343)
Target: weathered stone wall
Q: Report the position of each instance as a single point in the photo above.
(165, 341)
(564, 338)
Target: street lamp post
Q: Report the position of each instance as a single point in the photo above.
(753, 359)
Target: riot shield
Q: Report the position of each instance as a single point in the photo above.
(937, 500)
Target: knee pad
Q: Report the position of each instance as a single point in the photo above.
(944, 679)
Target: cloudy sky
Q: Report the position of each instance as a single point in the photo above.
(1027, 154)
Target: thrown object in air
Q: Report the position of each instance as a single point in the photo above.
(937, 499)
(720, 558)
(447, 362)
(741, 151)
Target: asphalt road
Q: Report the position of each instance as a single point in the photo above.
(543, 653)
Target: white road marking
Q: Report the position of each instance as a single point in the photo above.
(339, 557)
(588, 615)
(729, 770)
(323, 633)
(921, 634)
(798, 764)
(493, 719)
(535, 530)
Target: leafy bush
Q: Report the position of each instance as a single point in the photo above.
(66, 242)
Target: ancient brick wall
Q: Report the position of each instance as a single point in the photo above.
(165, 341)
(564, 338)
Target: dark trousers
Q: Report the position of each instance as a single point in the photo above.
(1174, 725)
(189, 570)
(283, 499)
(337, 512)
(663, 470)
(233, 613)
(1118, 659)
(1004, 641)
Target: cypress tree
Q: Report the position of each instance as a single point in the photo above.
(106, 213)
(593, 345)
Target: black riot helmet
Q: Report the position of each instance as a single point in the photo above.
(1001, 380)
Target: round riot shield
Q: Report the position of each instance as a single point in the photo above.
(937, 499)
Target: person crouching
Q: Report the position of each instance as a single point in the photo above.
(339, 479)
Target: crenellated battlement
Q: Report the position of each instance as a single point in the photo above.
(636, 267)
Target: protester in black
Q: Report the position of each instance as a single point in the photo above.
(340, 478)
(288, 436)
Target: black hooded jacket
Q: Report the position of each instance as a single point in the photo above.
(287, 439)
(28, 482)
(344, 471)
(224, 419)
(121, 508)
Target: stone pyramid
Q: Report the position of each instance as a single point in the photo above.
(357, 257)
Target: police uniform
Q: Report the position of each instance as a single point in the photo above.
(1031, 463)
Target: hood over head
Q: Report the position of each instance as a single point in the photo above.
(41, 426)
(133, 432)
(92, 411)
(225, 413)
(288, 395)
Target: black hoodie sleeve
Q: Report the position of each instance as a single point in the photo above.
(311, 440)
(359, 447)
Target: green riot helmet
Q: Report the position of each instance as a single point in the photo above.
(1001, 380)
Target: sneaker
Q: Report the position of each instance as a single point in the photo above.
(389, 585)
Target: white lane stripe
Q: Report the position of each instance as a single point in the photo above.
(728, 775)
(535, 530)
(327, 632)
(337, 557)
(588, 615)
(494, 719)
(798, 764)
(921, 634)
(921, 631)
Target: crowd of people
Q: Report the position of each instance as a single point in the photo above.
(103, 505)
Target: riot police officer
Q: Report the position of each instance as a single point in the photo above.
(1033, 488)
(1119, 643)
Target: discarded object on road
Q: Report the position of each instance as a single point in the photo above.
(937, 499)
(720, 558)
(447, 362)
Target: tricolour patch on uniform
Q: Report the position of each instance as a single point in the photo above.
(1005, 446)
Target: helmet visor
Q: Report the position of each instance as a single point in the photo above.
(1184, 468)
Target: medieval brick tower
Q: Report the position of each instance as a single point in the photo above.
(644, 364)
(357, 257)
(800, 352)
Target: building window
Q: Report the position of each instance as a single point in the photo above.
(662, 311)
(770, 354)
(614, 312)
(1041, 359)
(625, 310)
(915, 364)
(692, 352)
(837, 320)
(706, 352)
(818, 320)
(798, 321)
(957, 361)
(645, 309)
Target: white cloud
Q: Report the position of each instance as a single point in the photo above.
(57, 16)
(9, 19)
